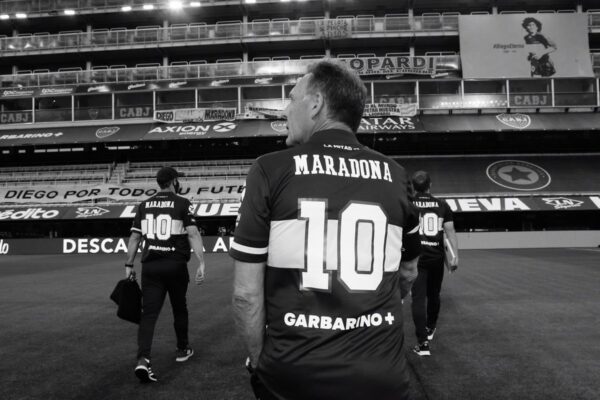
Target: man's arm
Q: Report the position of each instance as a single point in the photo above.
(450, 233)
(249, 306)
(408, 274)
(132, 248)
(195, 240)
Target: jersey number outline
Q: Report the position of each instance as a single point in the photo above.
(159, 227)
(430, 224)
(358, 224)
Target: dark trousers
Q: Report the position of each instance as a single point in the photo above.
(426, 296)
(260, 390)
(160, 277)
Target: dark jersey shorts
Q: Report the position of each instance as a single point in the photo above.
(330, 219)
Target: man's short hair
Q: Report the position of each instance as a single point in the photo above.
(421, 181)
(529, 20)
(344, 91)
(165, 176)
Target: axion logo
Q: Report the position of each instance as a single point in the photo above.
(279, 126)
(224, 127)
(560, 203)
(136, 86)
(517, 121)
(4, 247)
(84, 212)
(106, 131)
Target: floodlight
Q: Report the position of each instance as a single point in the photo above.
(21, 15)
(195, 4)
(69, 12)
(175, 5)
(126, 8)
(148, 7)
(4, 16)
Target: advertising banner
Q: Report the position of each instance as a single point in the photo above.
(91, 245)
(193, 189)
(525, 46)
(390, 109)
(474, 203)
(418, 65)
(334, 28)
(390, 125)
(195, 115)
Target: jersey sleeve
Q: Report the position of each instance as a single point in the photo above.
(411, 240)
(137, 220)
(188, 213)
(251, 239)
(447, 212)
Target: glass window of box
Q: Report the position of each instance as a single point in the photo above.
(262, 96)
(485, 94)
(530, 93)
(133, 105)
(92, 107)
(169, 100)
(440, 95)
(575, 92)
(15, 111)
(394, 92)
(218, 97)
(48, 109)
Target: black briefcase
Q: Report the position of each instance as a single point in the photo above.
(128, 296)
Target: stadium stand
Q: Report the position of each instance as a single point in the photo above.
(97, 78)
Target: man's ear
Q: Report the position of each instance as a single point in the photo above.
(317, 104)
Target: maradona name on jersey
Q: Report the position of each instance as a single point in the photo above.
(160, 204)
(317, 164)
(337, 323)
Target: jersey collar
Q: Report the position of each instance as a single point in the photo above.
(334, 136)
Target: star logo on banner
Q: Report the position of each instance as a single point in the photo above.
(518, 174)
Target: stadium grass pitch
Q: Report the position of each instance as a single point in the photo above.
(515, 324)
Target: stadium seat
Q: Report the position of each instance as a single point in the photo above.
(431, 21)
(146, 71)
(281, 58)
(312, 57)
(508, 12)
(197, 31)
(117, 73)
(259, 27)
(306, 25)
(450, 20)
(178, 31)
(280, 26)
(178, 70)
(43, 76)
(366, 55)
(100, 73)
(41, 40)
(364, 23)
(68, 75)
(397, 22)
(197, 69)
(228, 29)
(261, 59)
(229, 67)
(69, 39)
(100, 37)
(146, 34)
(118, 36)
(346, 55)
(398, 54)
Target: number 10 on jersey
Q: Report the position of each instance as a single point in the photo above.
(360, 227)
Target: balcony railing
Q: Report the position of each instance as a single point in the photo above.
(280, 29)
(107, 74)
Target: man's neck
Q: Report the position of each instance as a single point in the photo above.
(331, 124)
